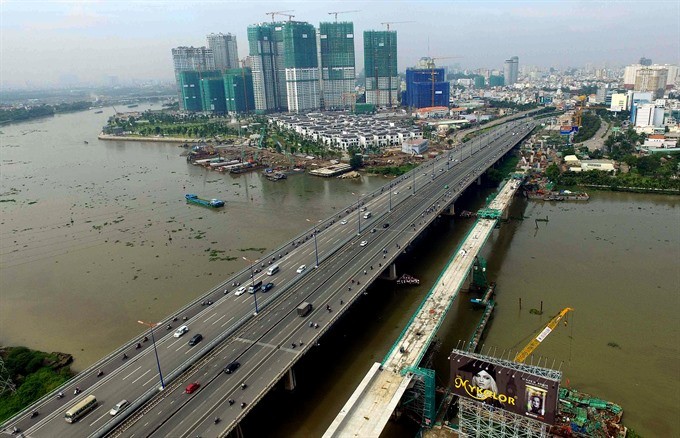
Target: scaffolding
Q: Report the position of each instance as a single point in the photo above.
(421, 399)
(479, 280)
(480, 420)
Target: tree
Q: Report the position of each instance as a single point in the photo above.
(356, 161)
(552, 172)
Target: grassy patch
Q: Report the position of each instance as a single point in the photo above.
(260, 250)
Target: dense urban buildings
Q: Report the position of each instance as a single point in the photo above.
(380, 63)
(225, 50)
(338, 75)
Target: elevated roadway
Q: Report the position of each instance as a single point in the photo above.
(263, 342)
(371, 405)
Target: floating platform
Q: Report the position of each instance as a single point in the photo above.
(408, 280)
(333, 170)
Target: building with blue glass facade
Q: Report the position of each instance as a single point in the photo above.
(426, 88)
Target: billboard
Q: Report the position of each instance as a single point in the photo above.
(566, 129)
(519, 392)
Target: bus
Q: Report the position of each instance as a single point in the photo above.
(88, 404)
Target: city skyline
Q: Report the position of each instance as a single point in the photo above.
(90, 41)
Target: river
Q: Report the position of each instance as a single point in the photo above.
(86, 252)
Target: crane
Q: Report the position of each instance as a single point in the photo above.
(278, 13)
(432, 66)
(387, 23)
(341, 12)
(290, 17)
(245, 89)
(531, 346)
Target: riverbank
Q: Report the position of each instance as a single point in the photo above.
(111, 137)
(33, 374)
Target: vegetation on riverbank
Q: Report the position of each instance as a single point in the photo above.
(34, 373)
(590, 123)
(392, 170)
(22, 114)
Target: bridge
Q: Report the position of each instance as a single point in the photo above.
(371, 405)
(262, 331)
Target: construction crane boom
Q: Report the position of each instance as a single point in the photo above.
(432, 67)
(341, 12)
(531, 346)
(387, 23)
(278, 13)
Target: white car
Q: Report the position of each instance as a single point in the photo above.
(180, 331)
(301, 269)
(343, 222)
(240, 291)
(363, 243)
(395, 192)
(119, 407)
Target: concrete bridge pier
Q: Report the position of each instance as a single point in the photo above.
(449, 210)
(390, 273)
(479, 180)
(289, 381)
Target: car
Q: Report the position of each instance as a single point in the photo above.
(363, 209)
(363, 243)
(192, 387)
(180, 331)
(231, 367)
(343, 222)
(240, 291)
(373, 230)
(195, 339)
(119, 407)
(396, 192)
(386, 225)
(267, 287)
(301, 269)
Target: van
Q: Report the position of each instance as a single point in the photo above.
(273, 270)
(255, 287)
(367, 215)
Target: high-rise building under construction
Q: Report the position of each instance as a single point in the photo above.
(190, 59)
(265, 47)
(301, 66)
(380, 62)
(338, 74)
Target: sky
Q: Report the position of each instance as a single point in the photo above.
(51, 43)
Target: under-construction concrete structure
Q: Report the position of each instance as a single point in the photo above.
(265, 48)
(338, 74)
(380, 62)
(301, 66)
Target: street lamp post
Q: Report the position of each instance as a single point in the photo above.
(316, 248)
(252, 284)
(390, 209)
(414, 180)
(153, 339)
(358, 211)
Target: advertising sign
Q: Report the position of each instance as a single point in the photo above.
(519, 392)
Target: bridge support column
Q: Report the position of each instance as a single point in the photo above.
(449, 210)
(479, 180)
(290, 382)
(505, 214)
(390, 273)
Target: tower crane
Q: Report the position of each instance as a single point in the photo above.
(531, 346)
(387, 23)
(341, 12)
(290, 17)
(278, 13)
(432, 66)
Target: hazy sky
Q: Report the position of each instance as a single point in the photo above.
(43, 42)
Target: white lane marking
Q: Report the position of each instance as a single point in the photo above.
(150, 380)
(105, 413)
(218, 319)
(179, 348)
(173, 343)
(227, 321)
(211, 316)
(135, 370)
(147, 372)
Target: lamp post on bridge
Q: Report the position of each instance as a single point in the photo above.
(252, 284)
(151, 326)
(316, 248)
(358, 195)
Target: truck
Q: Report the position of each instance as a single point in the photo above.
(304, 309)
(212, 203)
(367, 215)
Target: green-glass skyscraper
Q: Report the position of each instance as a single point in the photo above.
(238, 90)
(199, 93)
(265, 47)
(380, 61)
(301, 66)
(338, 74)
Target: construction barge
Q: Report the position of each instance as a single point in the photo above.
(562, 195)
(210, 203)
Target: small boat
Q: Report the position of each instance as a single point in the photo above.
(85, 141)
(99, 112)
(134, 105)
